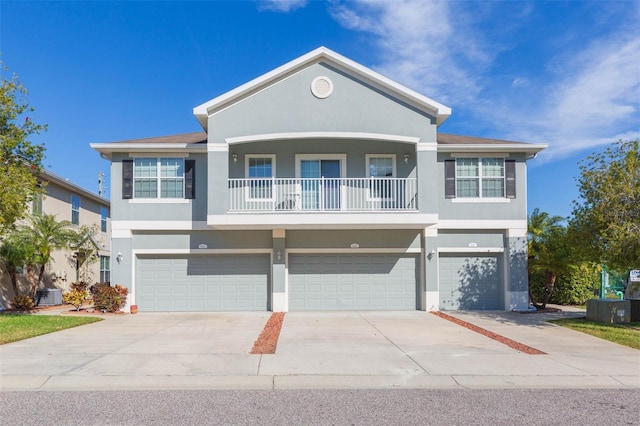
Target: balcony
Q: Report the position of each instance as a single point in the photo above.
(330, 195)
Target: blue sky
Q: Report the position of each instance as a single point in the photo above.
(562, 73)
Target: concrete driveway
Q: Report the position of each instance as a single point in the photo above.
(316, 350)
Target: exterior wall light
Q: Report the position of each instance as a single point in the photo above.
(235, 158)
(406, 158)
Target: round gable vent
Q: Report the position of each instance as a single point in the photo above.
(321, 87)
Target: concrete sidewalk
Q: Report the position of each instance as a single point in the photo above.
(316, 350)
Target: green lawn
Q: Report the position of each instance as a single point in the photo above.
(14, 327)
(624, 334)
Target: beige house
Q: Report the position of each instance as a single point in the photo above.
(71, 202)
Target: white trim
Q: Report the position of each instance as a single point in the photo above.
(433, 299)
(408, 220)
(158, 225)
(367, 173)
(136, 252)
(106, 149)
(315, 92)
(134, 154)
(428, 147)
(407, 250)
(279, 301)
(320, 157)
(517, 233)
(120, 233)
(430, 232)
(216, 147)
(322, 54)
(479, 154)
(322, 135)
(478, 250)
(481, 224)
(480, 200)
(491, 148)
(159, 201)
(247, 192)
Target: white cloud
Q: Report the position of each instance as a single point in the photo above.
(420, 44)
(281, 5)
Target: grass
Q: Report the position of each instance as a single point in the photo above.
(14, 327)
(623, 334)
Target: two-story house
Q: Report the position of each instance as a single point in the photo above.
(321, 185)
(68, 201)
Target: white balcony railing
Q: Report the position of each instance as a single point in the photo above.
(322, 194)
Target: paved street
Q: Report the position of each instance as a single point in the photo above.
(325, 407)
(324, 350)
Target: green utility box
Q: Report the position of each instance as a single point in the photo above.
(609, 311)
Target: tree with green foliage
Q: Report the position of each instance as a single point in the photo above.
(547, 252)
(44, 234)
(14, 253)
(608, 217)
(20, 159)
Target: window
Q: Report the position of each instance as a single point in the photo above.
(104, 214)
(153, 178)
(381, 170)
(261, 170)
(75, 210)
(36, 205)
(480, 178)
(105, 269)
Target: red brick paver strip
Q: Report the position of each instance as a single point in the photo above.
(268, 339)
(490, 334)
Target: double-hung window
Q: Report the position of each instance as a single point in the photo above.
(75, 210)
(104, 214)
(105, 269)
(260, 170)
(481, 177)
(158, 178)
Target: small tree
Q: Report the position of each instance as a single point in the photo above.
(608, 217)
(20, 159)
(85, 246)
(14, 253)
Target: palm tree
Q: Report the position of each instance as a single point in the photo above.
(45, 235)
(14, 254)
(546, 254)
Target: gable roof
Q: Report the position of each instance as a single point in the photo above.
(322, 54)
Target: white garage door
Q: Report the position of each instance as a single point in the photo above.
(202, 283)
(352, 282)
(470, 283)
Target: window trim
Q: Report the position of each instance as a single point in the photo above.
(247, 189)
(367, 172)
(158, 177)
(75, 210)
(508, 178)
(104, 219)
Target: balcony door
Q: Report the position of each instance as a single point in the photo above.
(320, 181)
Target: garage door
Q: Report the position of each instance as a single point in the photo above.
(352, 282)
(470, 283)
(202, 283)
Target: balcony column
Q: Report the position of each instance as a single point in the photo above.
(279, 293)
(431, 299)
(217, 178)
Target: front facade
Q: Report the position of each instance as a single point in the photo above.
(321, 185)
(68, 201)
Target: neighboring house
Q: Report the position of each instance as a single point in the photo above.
(79, 206)
(321, 185)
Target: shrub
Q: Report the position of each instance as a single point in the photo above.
(75, 297)
(109, 299)
(80, 285)
(22, 303)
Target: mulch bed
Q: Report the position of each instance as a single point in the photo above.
(504, 340)
(268, 339)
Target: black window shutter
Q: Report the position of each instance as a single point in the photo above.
(450, 178)
(510, 175)
(127, 179)
(190, 179)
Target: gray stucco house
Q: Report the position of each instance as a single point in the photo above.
(321, 185)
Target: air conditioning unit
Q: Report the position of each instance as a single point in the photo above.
(49, 297)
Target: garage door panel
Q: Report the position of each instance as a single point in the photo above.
(347, 282)
(470, 283)
(202, 283)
